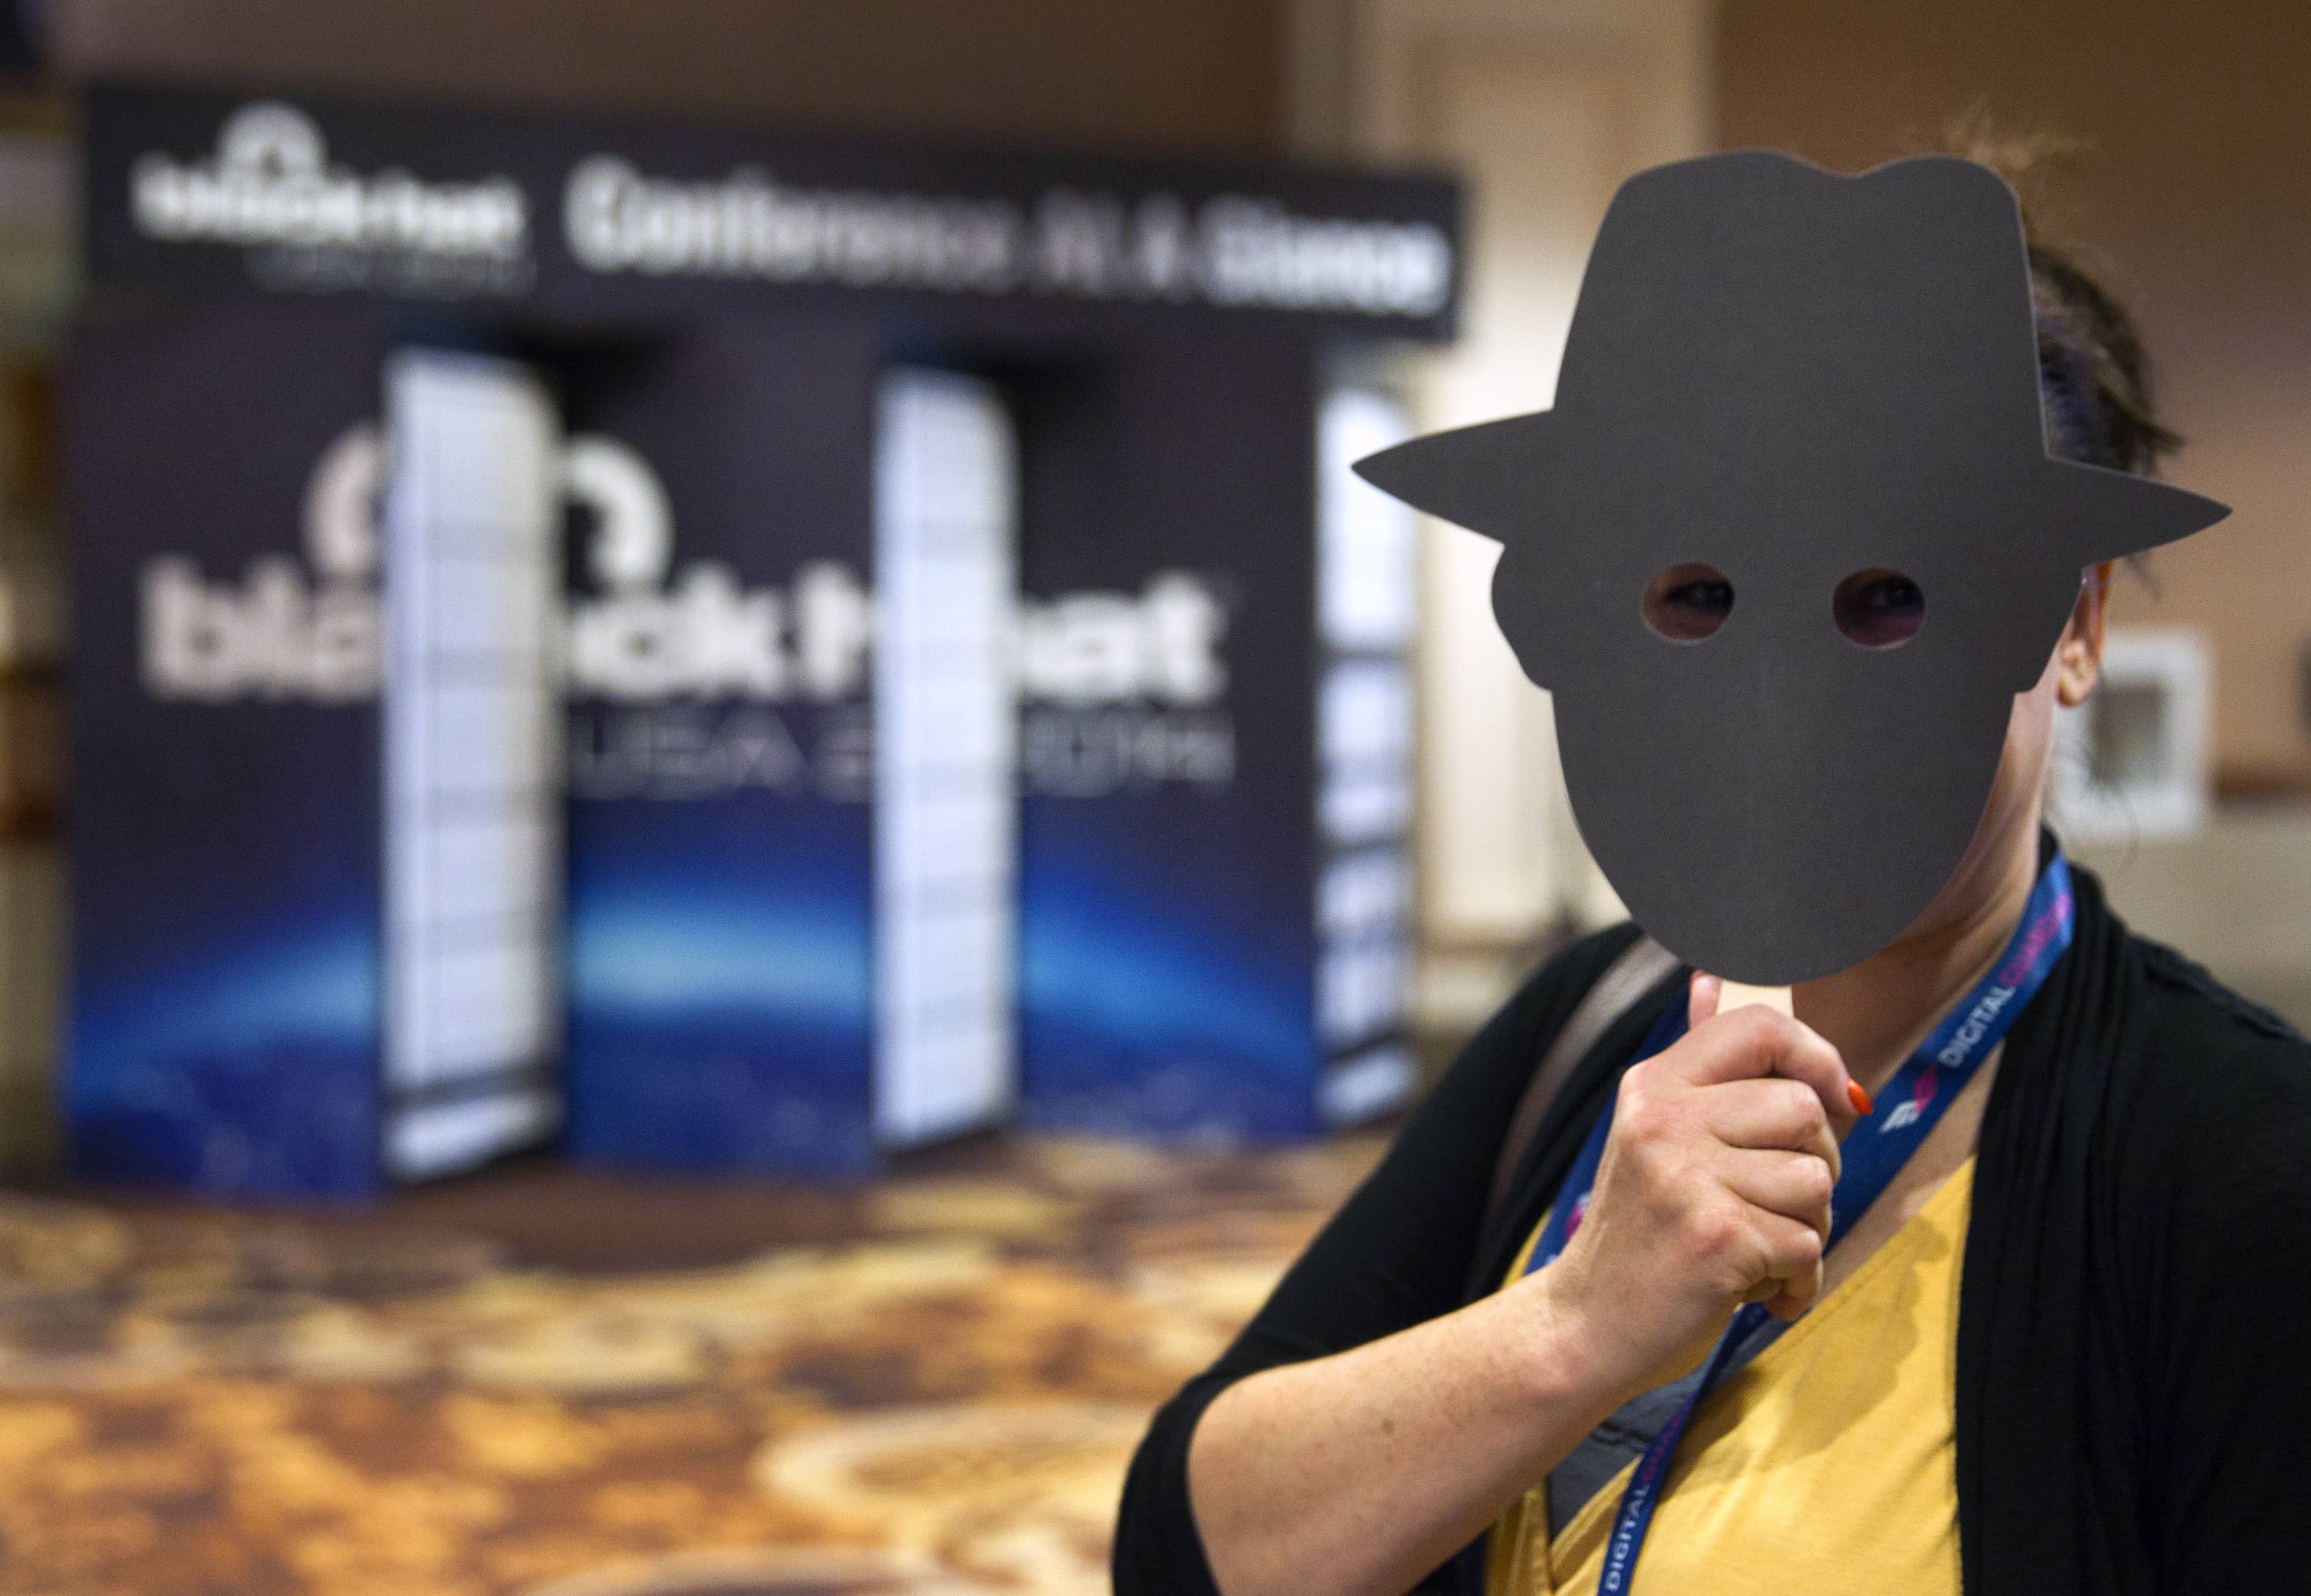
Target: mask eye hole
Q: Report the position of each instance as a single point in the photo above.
(1877, 609)
(1688, 603)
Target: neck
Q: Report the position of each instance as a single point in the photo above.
(1877, 1013)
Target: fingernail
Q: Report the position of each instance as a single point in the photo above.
(1859, 1098)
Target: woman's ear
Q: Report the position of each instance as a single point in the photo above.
(2077, 658)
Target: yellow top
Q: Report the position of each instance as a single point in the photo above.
(1826, 1463)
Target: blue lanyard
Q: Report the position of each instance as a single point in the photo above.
(1908, 1109)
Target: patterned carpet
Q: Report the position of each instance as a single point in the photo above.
(555, 1385)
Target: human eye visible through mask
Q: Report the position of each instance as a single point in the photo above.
(1688, 603)
(1879, 608)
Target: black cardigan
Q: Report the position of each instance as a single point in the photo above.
(2134, 1320)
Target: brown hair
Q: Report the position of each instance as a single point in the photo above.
(2094, 378)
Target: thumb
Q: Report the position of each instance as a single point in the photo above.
(1701, 1002)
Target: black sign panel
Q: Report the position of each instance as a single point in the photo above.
(302, 197)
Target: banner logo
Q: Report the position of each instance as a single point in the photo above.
(278, 634)
(1118, 690)
(1125, 692)
(271, 189)
(640, 637)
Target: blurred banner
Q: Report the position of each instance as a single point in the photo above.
(203, 191)
(985, 691)
(227, 950)
(721, 747)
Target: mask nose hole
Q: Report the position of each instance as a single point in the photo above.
(1688, 603)
(1879, 608)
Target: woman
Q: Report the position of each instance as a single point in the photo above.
(2067, 1349)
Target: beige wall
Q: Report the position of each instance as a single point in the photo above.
(2196, 186)
(1543, 107)
(1205, 75)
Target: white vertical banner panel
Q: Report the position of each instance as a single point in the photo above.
(1366, 611)
(472, 723)
(947, 519)
(1367, 584)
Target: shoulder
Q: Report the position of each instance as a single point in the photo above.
(2198, 1037)
(2208, 1180)
(2220, 1099)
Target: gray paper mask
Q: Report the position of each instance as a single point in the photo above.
(1790, 376)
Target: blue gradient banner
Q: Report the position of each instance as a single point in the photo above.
(1167, 848)
(225, 1010)
(720, 887)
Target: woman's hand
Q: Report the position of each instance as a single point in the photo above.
(1323, 1475)
(1715, 1191)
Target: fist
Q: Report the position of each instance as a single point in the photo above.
(1715, 1191)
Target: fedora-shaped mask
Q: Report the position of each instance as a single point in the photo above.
(1789, 545)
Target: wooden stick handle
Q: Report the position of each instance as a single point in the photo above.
(1777, 998)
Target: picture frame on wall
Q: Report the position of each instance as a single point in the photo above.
(2132, 762)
